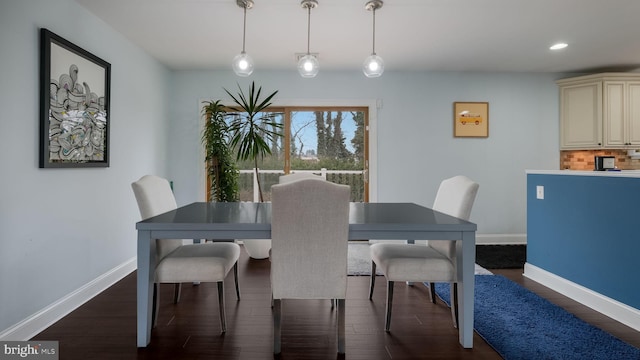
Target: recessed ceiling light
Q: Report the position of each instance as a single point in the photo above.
(558, 46)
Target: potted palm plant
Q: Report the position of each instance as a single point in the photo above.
(252, 130)
(222, 179)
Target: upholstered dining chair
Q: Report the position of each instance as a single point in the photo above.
(435, 262)
(264, 245)
(298, 176)
(309, 232)
(287, 178)
(176, 262)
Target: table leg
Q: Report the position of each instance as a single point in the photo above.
(146, 262)
(409, 241)
(466, 255)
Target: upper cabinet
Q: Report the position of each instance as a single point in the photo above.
(621, 108)
(581, 115)
(600, 111)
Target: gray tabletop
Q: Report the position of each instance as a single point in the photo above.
(257, 216)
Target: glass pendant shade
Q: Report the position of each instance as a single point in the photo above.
(243, 64)
(308, 66)
(373, 66)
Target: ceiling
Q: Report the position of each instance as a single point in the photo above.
(431, 35)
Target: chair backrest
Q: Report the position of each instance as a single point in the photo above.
(154, 197)
(298, 176)
(309, 240)
(455, 197)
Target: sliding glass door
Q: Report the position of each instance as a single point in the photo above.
(328, 141)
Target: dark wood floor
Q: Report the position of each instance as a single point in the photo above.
(105, 327)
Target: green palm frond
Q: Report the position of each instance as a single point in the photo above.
(250, 127)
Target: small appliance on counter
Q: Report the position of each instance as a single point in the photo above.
(604, 163)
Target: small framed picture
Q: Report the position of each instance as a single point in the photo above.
(471, 119)
(74, 105)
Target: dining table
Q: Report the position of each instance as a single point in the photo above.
(252, 220)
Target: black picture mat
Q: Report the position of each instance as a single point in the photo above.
(46, 39)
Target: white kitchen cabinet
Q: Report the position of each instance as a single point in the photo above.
(581, 115)
(621, 114)
(600, 111)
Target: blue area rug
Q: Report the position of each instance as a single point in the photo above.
(519, 324)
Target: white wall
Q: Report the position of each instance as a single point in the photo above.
(416, 147)
(62, 228)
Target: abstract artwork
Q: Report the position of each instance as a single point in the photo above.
(74, 105)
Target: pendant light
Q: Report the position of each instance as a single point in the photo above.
(373, 65)
(243, 63)
(308, 65)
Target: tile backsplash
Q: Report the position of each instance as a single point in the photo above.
(583, 159)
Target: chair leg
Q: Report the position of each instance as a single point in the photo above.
(235, 277)
(341, 326)
(223, 318)
(333, 303)
(432, 292)
(176, 292)
(373, 279)
(277, 333)
(454, 304)
(156, 304)
(387, 325)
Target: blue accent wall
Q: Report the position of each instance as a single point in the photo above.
(587, 230)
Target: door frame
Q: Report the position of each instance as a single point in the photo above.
(372, 104)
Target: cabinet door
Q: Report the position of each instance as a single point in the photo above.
(633, 128)
(581, 116)
(614, 114)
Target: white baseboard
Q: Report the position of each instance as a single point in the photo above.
(501, 239)
(34, 324)
(612, 308)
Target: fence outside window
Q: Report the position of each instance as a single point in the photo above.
(249, 184)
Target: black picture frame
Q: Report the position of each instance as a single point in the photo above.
(75, 96)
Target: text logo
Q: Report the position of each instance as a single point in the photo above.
(10, 350)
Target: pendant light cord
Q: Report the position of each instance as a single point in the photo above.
(374, 31)
(308, 28)
(244, 28)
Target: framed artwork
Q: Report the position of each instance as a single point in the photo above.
(74, 105)
(471, 119)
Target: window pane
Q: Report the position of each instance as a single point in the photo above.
(271, 166)
(333, 140)
(326, 141)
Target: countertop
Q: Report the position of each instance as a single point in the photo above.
(622, 173)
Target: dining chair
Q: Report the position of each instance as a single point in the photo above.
(178, 262)
(261, 248)
(298, 176)
(435, 262)
(309, 232)
(287, 178)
